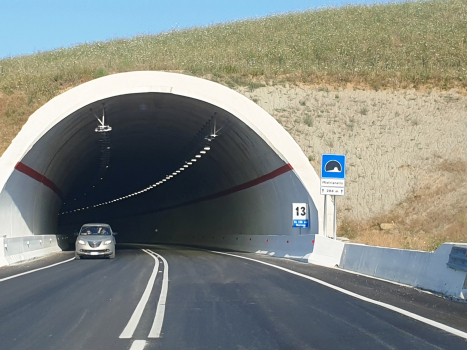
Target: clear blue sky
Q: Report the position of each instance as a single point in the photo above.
(28, 26)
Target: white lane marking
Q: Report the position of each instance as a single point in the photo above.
(138, 345)
(41, 268)
(134, 320)
(361, 297)
(156, 328)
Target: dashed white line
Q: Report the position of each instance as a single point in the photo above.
(361, 297)
(160, 312)
(134, 320)
(138, 345)
(35, 270)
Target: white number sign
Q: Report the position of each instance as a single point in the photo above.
(300, 215)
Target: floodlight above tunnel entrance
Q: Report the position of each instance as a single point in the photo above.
(102, 127)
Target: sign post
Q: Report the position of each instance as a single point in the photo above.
(325, 215)
(332, 183)
(335, 218)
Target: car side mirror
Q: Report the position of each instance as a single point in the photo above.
(76, 233)
(115, 233)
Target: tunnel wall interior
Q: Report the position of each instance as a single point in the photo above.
(220, 176)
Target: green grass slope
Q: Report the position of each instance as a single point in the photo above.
(395, 45)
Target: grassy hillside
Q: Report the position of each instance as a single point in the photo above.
(396, 45)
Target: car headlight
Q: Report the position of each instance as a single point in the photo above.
(81, 241)
(108, 241)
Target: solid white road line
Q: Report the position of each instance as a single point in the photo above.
(41, 268)
(134, 320)
(156, 328)
(361, 297)
(138, 345)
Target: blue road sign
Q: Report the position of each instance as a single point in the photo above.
(301, 223)
(333, 166)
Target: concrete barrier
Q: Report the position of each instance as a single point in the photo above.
(327, 252)
(16, 249)
(424, 270)
(293, 247)
(309, 248)
(3, 261)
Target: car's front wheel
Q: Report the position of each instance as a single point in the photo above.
(112, 256)
(77, 257)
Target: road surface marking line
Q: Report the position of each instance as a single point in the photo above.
(134, 320)
(156, 328)
(41, 268)
(361, 297)
(138, 345)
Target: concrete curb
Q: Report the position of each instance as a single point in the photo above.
(17, 249)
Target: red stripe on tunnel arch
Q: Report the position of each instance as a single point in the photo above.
(23, 168)
(244, 186)
(259, 180)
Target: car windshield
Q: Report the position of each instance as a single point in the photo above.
(95, 230)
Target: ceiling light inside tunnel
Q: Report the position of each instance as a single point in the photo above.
(167, 177)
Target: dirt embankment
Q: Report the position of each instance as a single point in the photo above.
(406, 158)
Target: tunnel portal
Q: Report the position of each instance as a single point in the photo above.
(185, 160)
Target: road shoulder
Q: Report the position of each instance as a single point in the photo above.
(37, 263)
(434, 307)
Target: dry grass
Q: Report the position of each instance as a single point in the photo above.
(395, 45)
(423, 221)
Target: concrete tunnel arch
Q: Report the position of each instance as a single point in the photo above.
(244, 185)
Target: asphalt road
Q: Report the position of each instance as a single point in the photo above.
(213, 301)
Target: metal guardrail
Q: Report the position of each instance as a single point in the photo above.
(458, 258)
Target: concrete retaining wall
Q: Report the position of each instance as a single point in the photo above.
(28, 247)
(423, 270)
